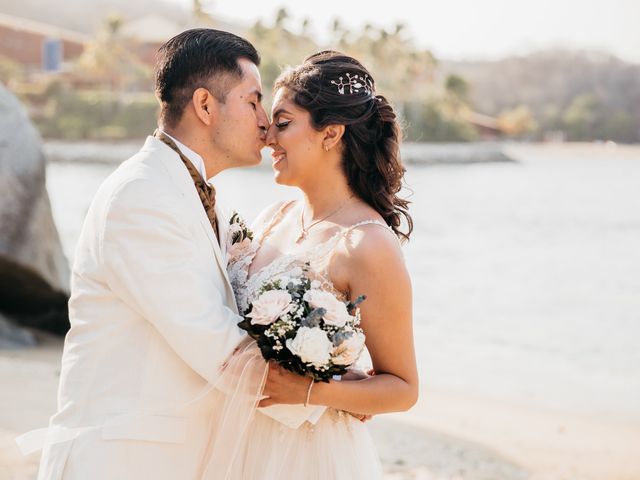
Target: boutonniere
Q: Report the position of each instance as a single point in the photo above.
(239, 237)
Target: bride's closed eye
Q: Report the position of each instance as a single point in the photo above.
(282, 125)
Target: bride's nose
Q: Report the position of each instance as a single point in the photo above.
(271, 135)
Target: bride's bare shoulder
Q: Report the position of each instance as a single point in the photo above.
(371, 261)
(373, 241)
(371, 251)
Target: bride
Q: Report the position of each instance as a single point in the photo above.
(337, 141)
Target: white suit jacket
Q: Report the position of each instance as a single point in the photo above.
(153, 318)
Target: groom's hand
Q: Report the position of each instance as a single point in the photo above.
(361, 416)
(357, 374)
(284, 387)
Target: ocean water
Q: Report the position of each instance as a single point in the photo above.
(526, 274)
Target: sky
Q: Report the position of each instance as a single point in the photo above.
(468, 29)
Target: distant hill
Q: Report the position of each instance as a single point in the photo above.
(557, 86)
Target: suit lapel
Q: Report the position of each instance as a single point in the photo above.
(181, 178)
(220, 257)
(223, 229)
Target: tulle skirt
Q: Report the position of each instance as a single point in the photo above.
(248, 445)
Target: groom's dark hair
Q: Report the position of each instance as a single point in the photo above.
(196, 58)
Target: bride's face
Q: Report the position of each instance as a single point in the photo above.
(297, 146)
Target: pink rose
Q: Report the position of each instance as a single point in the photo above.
(270, 306)
(349, 350)
(239, 249)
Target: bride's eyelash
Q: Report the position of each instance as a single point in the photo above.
(282, 125)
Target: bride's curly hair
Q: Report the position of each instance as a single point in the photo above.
(371, 141)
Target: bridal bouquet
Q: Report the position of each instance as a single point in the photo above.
(305, 329)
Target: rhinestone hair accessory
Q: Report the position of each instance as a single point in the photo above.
(354, 84)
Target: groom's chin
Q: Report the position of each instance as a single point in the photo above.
(249, 161)
(257, 158)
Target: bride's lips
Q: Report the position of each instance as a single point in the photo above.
(278, 157)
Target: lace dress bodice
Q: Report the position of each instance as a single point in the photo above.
(316, 257)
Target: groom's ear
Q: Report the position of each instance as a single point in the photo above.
(332, 136)
(205, 105)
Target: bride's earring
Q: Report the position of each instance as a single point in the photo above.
(326, 148)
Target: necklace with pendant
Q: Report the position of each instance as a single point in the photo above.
(304, 232)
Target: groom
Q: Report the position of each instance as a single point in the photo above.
(152, 313)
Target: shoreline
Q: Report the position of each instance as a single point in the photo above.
(412, 153)
(445, 436)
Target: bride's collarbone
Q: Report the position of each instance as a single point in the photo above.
(291, 242)
(283, 243)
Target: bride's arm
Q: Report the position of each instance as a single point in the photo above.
(375, 267)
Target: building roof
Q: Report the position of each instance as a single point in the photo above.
(39, 28)
(481, 120)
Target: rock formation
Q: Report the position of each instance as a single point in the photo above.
(34, 273)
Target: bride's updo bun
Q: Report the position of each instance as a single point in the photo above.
(338, 90)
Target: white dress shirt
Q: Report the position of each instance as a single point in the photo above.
(196, 159)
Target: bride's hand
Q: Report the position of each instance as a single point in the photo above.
(243, 343)
(284, 387)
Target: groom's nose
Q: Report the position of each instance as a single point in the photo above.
(263, 120)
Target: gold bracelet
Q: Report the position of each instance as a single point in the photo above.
(306, 402)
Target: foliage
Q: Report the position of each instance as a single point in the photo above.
(583, 96)
(97, 114)
(404, 73)
(10, 71)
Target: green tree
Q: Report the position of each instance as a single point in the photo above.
(582, 116)
(457, 87)
(281, 17)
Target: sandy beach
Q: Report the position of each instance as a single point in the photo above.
(445, 436)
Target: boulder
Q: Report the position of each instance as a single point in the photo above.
(12, 336)
(34, 273)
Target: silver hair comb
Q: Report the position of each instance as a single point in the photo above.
(354, 84)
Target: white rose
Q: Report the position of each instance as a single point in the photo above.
(337, 313)
(349, 350)
(311, 345)
(315, 284)
(269, 306)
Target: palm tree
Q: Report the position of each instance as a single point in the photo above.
(281, 16)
